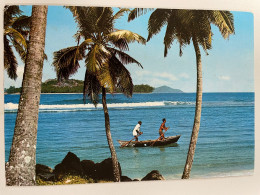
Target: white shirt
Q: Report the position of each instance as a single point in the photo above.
(136, 129)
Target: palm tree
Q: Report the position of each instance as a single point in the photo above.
(20, 169)
(103, 49)
(16, 34)
(186, 26)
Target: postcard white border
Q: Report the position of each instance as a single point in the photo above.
(230, 185)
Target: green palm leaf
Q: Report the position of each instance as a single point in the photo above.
(91, 88)
(106, 78)
(122, 75)
(156, 21)
(16, 30)
(120, 13)
(20, 50)
(124, 58)
(136, 12)
(22, 24)
(104, 22)
(120, 43)
(224, 21)
(96, 58)
(10, 12)
(66, 61)
(127, 35)
(175, 30)
(16, 36)
(10, 62)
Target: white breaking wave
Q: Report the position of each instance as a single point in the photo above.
(9, 107)
(178, 103)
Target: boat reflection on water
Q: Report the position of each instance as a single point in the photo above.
(167, 141)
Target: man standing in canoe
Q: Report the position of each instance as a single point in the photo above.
(136, 131)
(162, 127)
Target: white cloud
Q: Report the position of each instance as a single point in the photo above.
(18, 82)
(166, 75)
(154, 79)
(225, 78)
(157, 82)
(20, 70)
(154, 75)
(142, 73)
(184, 76)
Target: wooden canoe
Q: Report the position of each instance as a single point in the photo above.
(166, 141)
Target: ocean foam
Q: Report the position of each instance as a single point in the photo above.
(9, 107)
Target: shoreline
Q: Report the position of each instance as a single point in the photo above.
(134, 93)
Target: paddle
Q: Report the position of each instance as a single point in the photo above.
(159, 137)
(129, 141)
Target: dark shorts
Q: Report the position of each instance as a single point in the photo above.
(160, 132)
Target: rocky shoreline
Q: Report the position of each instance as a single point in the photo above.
(92, 172)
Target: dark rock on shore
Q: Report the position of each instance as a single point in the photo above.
(70, 165)
(104, 170)
(88, 167)
(153, 175)
(44, 172)
(125, 178)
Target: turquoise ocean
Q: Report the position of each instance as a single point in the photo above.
(225, 144)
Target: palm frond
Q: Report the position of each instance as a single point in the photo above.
(127, 35)
(20, 50)
(156, 21)
(136, 12)
(10, 62)
(66, 61)
(124, 58)
(16, 36)
(120, 43)
(106, 79)
(11, 11)
(86, 18)
(96, 58)
(203, 29)
(93, 20)
(224, 21)
(104, 22)
(120, 13)
(170, 34)
(91, 88)
(22, 24)
(123, 77)
(176, 30)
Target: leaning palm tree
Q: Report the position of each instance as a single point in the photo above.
(16, 34)
(187, 26)
(20, 169)
(103, 48)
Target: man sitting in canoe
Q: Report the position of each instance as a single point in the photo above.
(136, 131)
(162, 127)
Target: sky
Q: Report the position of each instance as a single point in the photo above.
(229, 67)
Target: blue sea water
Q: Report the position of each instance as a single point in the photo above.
(225, 144)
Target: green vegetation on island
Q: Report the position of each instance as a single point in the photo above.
(143, 89)
(166, 89)
(73, 86)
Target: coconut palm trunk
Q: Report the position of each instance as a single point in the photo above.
(116, 170)
(183, 26)
(22, 159)
(196, 125)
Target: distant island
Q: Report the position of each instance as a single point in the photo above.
(76, 86)
(166, 89)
